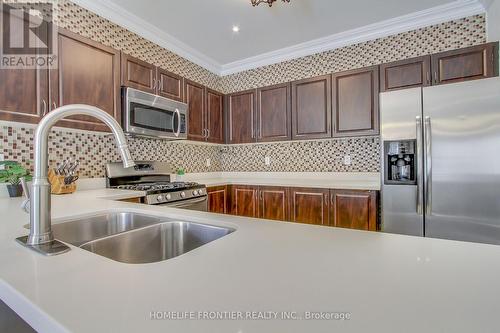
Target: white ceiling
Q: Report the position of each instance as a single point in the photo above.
(203, 28)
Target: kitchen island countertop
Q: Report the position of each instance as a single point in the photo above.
(386, 283)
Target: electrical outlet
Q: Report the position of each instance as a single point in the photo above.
(208, 162)
(347, 159)
(2, 167)
(267, 160)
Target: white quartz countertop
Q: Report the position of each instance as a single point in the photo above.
(387, 283)
(333, 180)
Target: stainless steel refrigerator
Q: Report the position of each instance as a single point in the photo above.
(441, 161)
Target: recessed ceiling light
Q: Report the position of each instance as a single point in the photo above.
(236, 28)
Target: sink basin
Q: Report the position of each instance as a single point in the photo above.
(78, 232)
(157, 242)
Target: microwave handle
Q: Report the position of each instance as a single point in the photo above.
(178, 122)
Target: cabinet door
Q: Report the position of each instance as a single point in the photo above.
(194, 96)
(274, 113)
(244, 200)
(87, 73)
(24, 93)
(273, 203)
(309, 205)
(355, 102)
(215, 117)
(476, 62)
(353, 209)
(169, 85)
(241, 117)
(311, 108)
(409, 73)
(217, 199)
(137, 74)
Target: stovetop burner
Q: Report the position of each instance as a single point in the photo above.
(169, 186)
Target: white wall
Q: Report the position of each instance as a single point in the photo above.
(493, 20)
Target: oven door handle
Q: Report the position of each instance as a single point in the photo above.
(178, 114)
(187, 202)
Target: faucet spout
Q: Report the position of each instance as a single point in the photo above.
(41, 237)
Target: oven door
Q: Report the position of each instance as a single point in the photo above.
(200, 204)
(150, 115)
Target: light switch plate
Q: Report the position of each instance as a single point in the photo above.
(208, 162)
(267, 160)
(347, 160)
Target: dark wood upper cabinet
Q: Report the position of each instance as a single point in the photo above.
(87, 73)
(215, 116)
(244, 200)
(138, 74)
(274, 117)
(311, 108)
(217, 199)
(355, 102)
(309, 205)
(353, 209)
(403, 74)
(475, 62)
(241, 117)
(273, 203)
(24, 93)
(194, 97)
(169, 85)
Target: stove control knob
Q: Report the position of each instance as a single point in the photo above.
(200, 191)
(183, 195)
(168, 196)
(160, 198)
(195, 192)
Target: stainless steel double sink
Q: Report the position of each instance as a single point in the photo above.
(136, 238)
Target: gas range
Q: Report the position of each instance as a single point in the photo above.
(154, 179)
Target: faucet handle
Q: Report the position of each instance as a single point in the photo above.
(26, 202)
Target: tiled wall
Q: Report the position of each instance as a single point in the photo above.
(94, 149)
(296, 156)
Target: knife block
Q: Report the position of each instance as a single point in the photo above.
(57, 185)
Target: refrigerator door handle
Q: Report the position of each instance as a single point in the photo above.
(428, 165)
(420, 160)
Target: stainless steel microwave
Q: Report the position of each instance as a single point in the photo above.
(146, 114)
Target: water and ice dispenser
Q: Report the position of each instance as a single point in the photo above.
(400, 162)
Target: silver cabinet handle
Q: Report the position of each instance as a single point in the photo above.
(177, 112)
(428, 165)
(44, 107)
(208, 133)
(154, 84)
(420, 161)
(54, 105)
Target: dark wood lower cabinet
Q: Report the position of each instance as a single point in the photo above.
(273, 203)
(244, 200)
(353, 209)
(309, 205)
(217, 199)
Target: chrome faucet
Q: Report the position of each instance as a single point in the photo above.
(41, 238)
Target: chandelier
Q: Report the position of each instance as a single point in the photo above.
(269, 2)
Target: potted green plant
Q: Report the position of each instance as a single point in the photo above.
(12, 174)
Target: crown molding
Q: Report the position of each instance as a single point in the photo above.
(435, 15)
(129, 21)
(440, 14)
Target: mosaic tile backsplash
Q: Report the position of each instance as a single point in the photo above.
(94, 149)
(313, 156)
